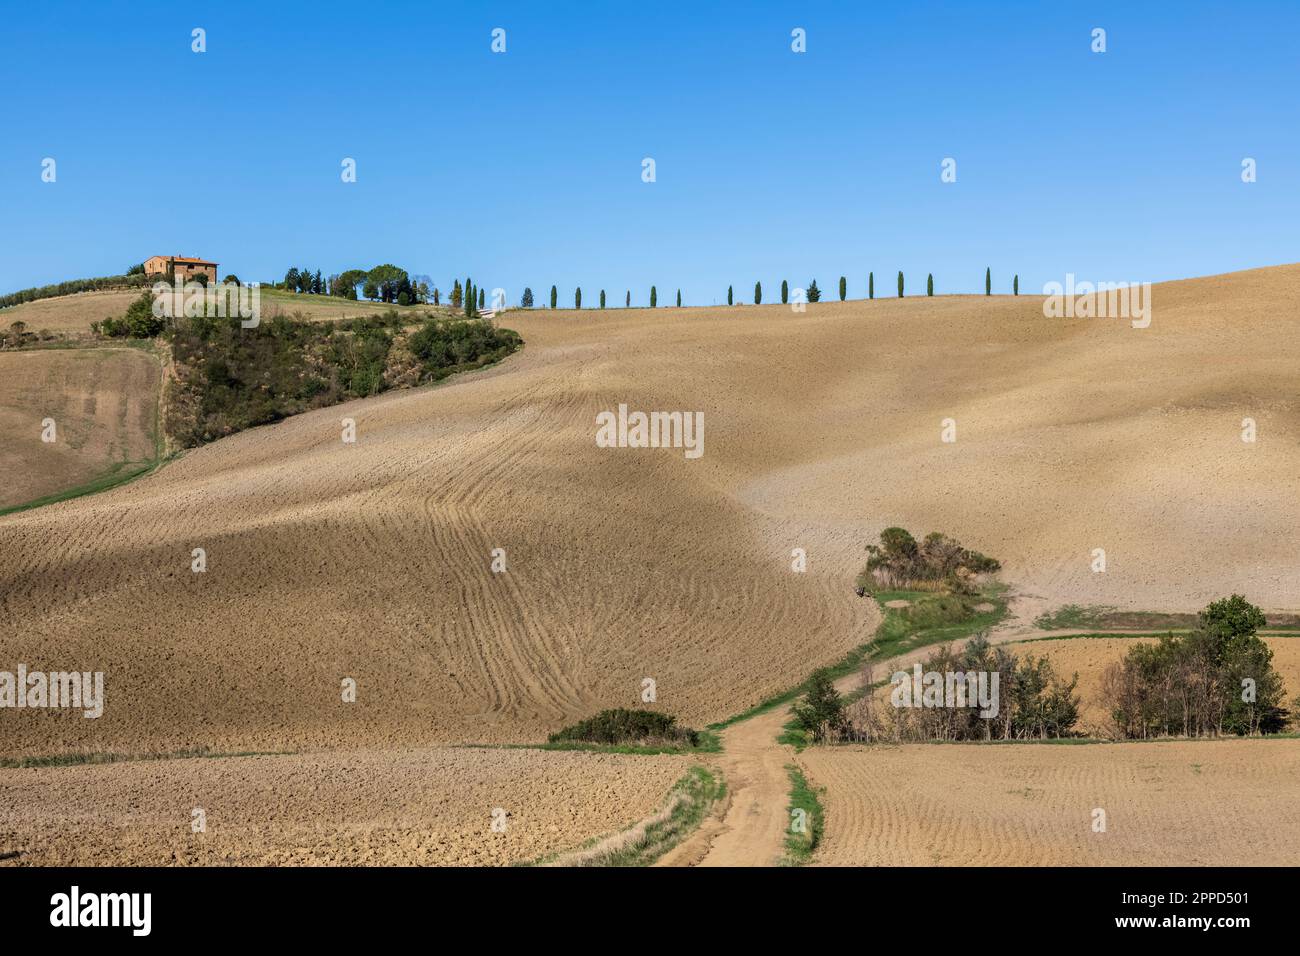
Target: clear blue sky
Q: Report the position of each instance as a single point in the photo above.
(525, 168)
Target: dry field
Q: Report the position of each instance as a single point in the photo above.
(372, 560)
(426, 807)
(1186, 803)
(74, 313)
(1089, 657)
(103, 401)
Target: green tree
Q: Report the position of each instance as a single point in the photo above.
(871, 285)
(553, 296)
(814, 293)
(602, 300)
(729, 296)
(627, 301)
(577, 298)
(785, 292)
(679, 298)
(1015, 285)
(929, 284)
(482, 300)
(387, 278)
(527, 300)
(457, 294)
(900, 283)
(758, 293)
(844, 288)
(654, 297)
(988, 281)
(291, 279)
(820, 713)
(345, 286)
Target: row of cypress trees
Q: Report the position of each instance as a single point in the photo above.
(813, 293)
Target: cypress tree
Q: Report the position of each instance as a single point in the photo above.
(758, 293)
(602, 300)
(469, 298)
(577, 298)
(654, 297)
(900, 284)
(1015, 285)
(929, 284)
(482, 298)
(553, 297)
(988, 281)
(844, 288)
(729, 302)
(627, 303)
(871, 285)
(785, 292)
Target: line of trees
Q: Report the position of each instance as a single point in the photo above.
(133, 279)
(1218, 680)
(812, 293)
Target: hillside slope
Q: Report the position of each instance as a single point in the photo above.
(373, 560)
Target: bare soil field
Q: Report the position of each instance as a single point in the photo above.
(1185, 803)
(372, 560)
(1089, 657)
(425, 807)
(104, 404)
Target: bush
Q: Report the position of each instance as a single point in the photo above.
(138, 323)
(230, 378)
(938, 562)
(820, 714)
(622, 726)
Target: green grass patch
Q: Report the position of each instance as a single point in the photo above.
(121, 473)
(804, 831)
(930, 618)
(1101, 617)
(82, 759)
(689, 802)
(709, 743)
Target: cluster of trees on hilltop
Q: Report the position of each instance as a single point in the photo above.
(385, 283)
(935, 563)
(1218, 680)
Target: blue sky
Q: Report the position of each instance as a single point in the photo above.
(524, 168)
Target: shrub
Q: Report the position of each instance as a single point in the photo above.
(820, 713)
(938, 562)
(814, 293)
(622, 726)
